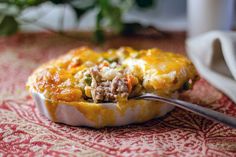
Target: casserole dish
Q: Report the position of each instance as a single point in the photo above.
(89, 88)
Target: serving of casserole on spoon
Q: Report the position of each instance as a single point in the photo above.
(89, 88)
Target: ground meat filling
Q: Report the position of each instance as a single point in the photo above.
(107, 90)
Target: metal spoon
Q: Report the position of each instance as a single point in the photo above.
(203, 111)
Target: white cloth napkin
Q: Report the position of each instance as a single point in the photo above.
(214, 56)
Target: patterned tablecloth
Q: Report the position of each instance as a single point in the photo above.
(23, 131)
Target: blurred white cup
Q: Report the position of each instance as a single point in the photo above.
(207, 15)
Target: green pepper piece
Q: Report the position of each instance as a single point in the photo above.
(88, 80)
(187, 85)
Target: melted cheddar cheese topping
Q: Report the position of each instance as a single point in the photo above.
(160, 72)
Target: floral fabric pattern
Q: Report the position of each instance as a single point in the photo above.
(25, 132)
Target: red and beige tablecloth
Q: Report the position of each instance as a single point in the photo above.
(24, 132)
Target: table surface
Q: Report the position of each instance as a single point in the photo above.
(23, 131)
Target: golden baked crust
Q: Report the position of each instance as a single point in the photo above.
(159, 72)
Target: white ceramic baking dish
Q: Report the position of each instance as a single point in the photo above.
(102, 114)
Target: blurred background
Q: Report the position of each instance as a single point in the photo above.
(116, 16)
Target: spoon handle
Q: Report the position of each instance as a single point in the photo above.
(203, 111)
